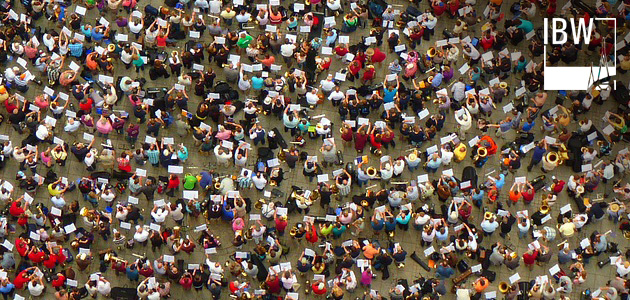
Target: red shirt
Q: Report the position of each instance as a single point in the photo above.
(378, 56)
(274, 285)
(59, 281)
(173, 183)
(186, 283)
(369, 74)
(316, 289)
(341, 51)
(528, 196)
(87, 106)
(20, 280)
(557, 187)
(530, 259)
(51, 262)
(281, 225)
(355, 67)
(146, 272)
(36, 257)
(16, 211)
(21, 247)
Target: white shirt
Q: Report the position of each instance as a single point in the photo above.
(42, 132)
(108, 197)
(72, 127)
(141, 236)
(447, 156)
(312, 98)
(287, 50)
(104, 287)
(35, 290)
(135, 27)
(386, 174)
(336, 95)
(327, 85)
(215, 7)
(621, 270)
(459, 91)
(243, 18)
(259, 181)
(159, 215)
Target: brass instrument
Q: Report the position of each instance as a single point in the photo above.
(552, 157)
(315, 195)
(371, 171)
(248, 234)
(365, 203)
(259, 204)
(544, 207)
(579, 190)
(282, 155)
(482, 151)
(504, 287)
(488, 215)
(391, 234)
(626, 234)
(431, 52)
(84, 211)
(273, 183)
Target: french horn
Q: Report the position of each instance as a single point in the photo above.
(504, 287)
(259, 204)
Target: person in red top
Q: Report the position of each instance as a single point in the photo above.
(36, 256)
(281, 223)
(361, 57)
(347, 134)
(319, 287)
(557, 185)
(375, 55)
(59, 281)
(85, 105)
(438, 7)
(369, 73)
(16, 208)
(341, 50)
(487, 41)
(22, 246)
(50, 260)
(488, 142)
(186, 281)
(529, 258)
(360, 139)
(146, 270)
(173, 185)
(354, 68)
(311, 233)
(528, 194)
(387, 138)
(453, 6)
(273, 283)
(23, 278)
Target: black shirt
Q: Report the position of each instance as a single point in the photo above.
(17, 117)
(79, 153)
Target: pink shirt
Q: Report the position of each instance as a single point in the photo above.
(224, 135)
(104, 127)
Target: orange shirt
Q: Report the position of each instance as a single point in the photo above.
(369, 251)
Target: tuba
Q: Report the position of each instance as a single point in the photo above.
(482, 152)
(504, 287)
(544, 207)
(552, 157)
(431, 52)
(488, 215)
(371, 171)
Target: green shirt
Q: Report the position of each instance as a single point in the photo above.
(244, 42)
(189, 182)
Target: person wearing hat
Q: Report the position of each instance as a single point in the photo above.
(375, 55)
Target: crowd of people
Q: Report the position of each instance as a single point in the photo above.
(413, 104)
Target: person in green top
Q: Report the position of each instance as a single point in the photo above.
(325, 229)
(137, 60)
(350, 22)
(189, 181)
(338, 230)
(526, 25)
(243, 41)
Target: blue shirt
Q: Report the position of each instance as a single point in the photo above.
(478, 196)
(257, 83)
(389, 95)
(7, 289)
(527, 126)
(434, 164)
(501, 182)
(539, 152)
(76, 49)
(444, 272)
(97, 36)
(437, 80)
